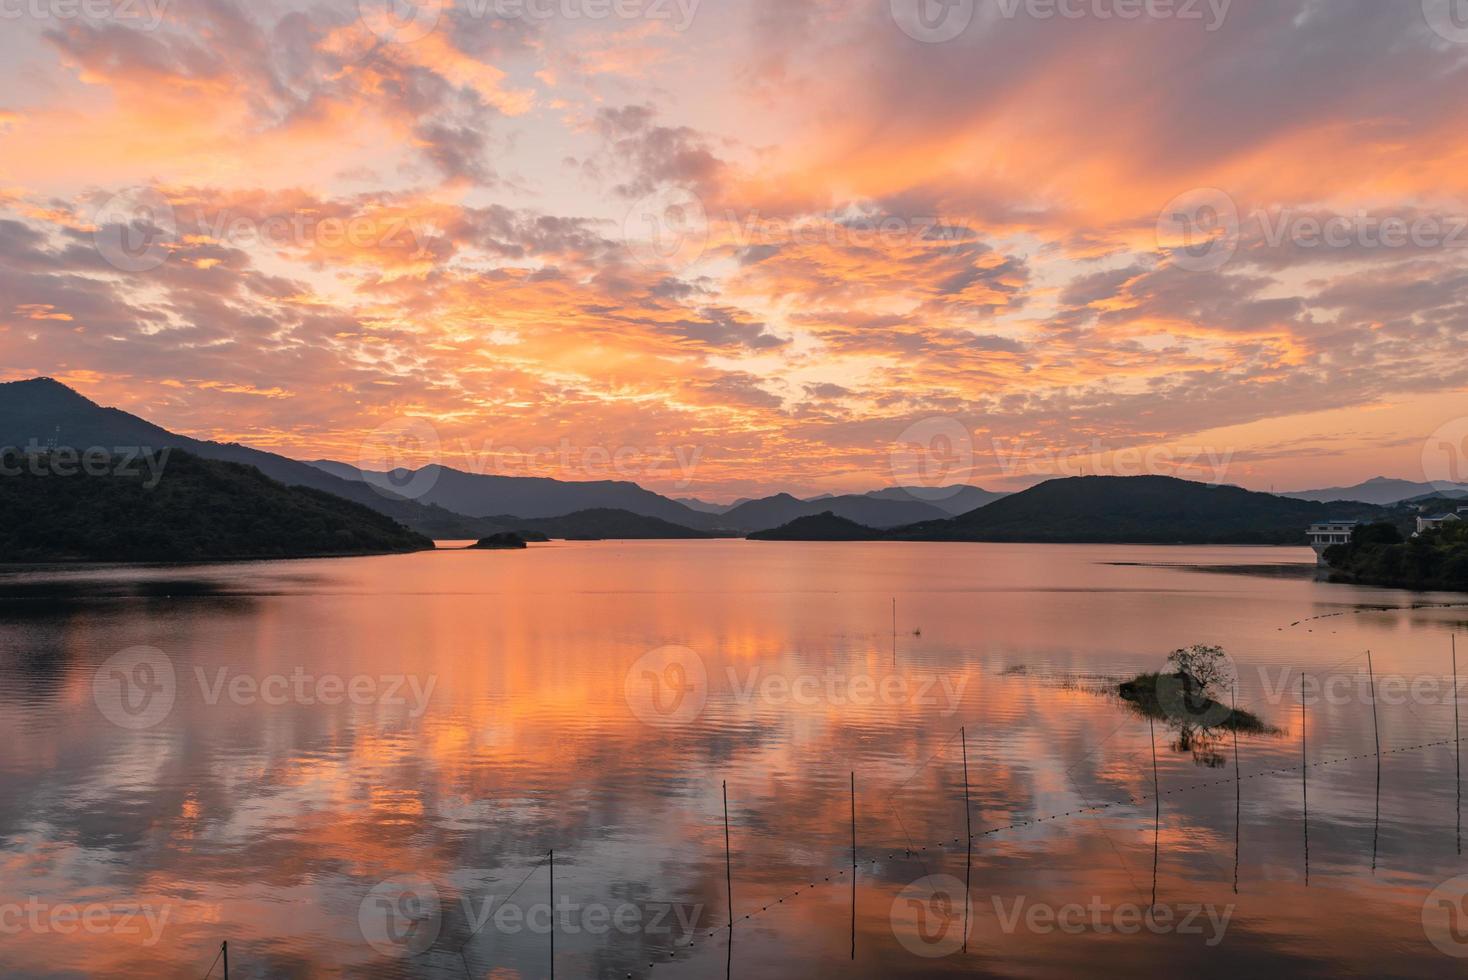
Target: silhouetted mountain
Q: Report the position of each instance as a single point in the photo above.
(597, 525)
(1380, 490)
(182, 508)
(1139, 510)
(476, 495)
(781, 509)
(820, 527)
(704, 507)
(955, 500)
(47, 412)
(501, 541)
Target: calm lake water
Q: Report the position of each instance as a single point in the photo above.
(359, 767)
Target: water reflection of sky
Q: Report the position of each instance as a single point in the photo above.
(267, 825)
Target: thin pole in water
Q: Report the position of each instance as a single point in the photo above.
(728, 867)
(968, 826)
(968, 823)
(553, 914)
(1376, 729)
(1458, 744)
(853, 865)
(1304, 776)
(1157, 809)
(1238, 785)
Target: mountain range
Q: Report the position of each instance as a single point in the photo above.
(455, 504)
(450, 503)
(1141, 510)
(1382, 490)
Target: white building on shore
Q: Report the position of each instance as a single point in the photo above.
(1328, 533)
(1429, 523)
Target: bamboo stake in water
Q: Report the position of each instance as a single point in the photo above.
(728, 868)
(853, 865)
(1157, 808)
(968, 823)
(1458, 744)
(968, 827)
(1238, 784)
(1304, 777)
(553, 914)
(1376, 729)
(224, 952)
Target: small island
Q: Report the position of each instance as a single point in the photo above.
(503, 541)
(819, 527)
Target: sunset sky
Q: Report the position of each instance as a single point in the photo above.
(750, 246)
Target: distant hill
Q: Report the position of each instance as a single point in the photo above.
(820, 527)
(1380, 490)
(781, 509)
(704, 507)
(197, 510)
(597, 525)
(503, 541)
(955, 500)
(1139, 510)
(49, 413)
(485, 495)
